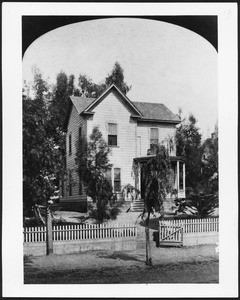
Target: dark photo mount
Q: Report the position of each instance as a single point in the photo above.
(35, 26)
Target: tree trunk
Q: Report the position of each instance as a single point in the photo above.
(148, 245)
(49, 241)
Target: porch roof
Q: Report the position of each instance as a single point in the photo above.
(142, 159)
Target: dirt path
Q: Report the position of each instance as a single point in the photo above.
(171, 265)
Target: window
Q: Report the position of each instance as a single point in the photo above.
(112, 134)
(117, 179)
(70, 144)
(70, 183)
(153, 138)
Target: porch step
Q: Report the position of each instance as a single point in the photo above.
(138, 205)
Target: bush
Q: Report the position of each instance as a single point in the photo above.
(204, 204)
(129, 191)
(105, 210)
(31, 222)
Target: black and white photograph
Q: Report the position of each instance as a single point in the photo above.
(122, 130)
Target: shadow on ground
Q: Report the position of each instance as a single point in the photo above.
(119, 255)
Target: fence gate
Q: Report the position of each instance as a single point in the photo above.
(170, 236)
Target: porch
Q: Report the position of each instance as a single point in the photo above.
(177, 179)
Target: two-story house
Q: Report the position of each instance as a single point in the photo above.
(131, 130)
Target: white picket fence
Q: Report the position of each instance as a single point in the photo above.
(193, 225)
(80, 232)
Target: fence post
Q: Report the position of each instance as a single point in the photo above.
(49, 242)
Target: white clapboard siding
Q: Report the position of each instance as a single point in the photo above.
(75, 121)
(164, 132)
(112, 109)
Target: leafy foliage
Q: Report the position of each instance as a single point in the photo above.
(93, 162)
(156, 182)
(58, 104)
(204, 203)
(117, 77)
(70, 85)
(156, 174)
(188, 142)
(41, 160)
(89, 88)
(210, 163)
(129, 192)
(40, 86)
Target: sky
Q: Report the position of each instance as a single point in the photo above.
(164, 63)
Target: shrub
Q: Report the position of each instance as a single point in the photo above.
(204, 204)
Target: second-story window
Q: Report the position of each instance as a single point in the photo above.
(112, 134)
(70, 144)
(153, 138)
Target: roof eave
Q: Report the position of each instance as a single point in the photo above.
(146, 158)
(87, 113)
(159, 121)
(136, 116)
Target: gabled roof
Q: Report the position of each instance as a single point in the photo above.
(143, 111)
(130, 103)
(156, 112)
(81, 103)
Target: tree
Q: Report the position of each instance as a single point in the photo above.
(40, 85)
(89, 88)
(205, 204)
(210, 163)
(93, 164)
(41, 158)
(57, 111)
(117, 77)
(188, 143)
(58, 106)
(71, 89)
(70, 85)
(156, 174)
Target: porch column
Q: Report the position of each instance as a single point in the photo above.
(184, 177)
(178, 178)
(139, 177)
